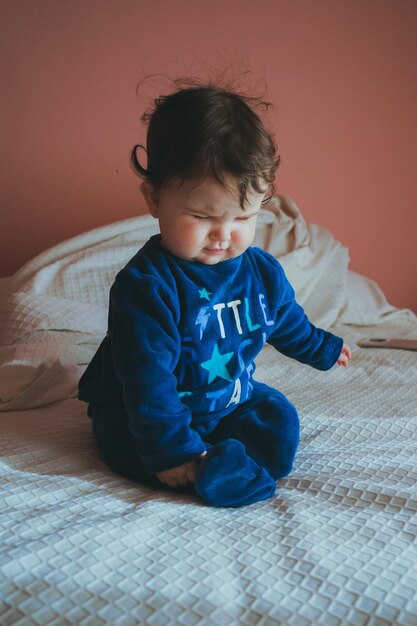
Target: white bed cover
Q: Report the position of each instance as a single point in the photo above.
(337, 545)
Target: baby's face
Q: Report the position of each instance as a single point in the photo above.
(202, 221)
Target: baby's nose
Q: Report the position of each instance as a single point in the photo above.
(220, 232)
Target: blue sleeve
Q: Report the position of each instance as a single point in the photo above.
(145, 350)
(295, 336)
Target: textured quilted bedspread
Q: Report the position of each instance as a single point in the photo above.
(337, 545)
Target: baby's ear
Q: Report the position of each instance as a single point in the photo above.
(151, 197)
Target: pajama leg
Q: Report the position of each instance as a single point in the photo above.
(269, 428)
(251, 449)
(270, 431)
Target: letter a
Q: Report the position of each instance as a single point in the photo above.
(237, 392)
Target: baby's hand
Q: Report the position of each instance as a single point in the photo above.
(180, 475)
(345, 356)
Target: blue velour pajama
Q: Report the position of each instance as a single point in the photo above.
(174, 375)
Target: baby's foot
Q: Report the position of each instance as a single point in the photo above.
(227, 476)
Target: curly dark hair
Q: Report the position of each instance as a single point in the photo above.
(206, 131)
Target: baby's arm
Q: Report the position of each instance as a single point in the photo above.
(181, 475)
(295, 336)
(146, 347)
(345, 356)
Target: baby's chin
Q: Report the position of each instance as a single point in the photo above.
(213, 258)
(210, 261)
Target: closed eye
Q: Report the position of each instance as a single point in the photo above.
(200, 217)
(246, 218)
(243, 218)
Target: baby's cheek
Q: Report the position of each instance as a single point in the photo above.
(247, 235)
(192, 236)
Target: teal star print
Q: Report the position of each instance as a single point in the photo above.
(205, 294)
(216, 366)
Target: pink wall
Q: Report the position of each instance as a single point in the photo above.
(342, 74)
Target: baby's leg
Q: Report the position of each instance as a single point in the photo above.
(251, 449)
(269, 428)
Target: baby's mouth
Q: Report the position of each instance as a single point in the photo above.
(215, 251)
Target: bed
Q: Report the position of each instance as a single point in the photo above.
(337, 545)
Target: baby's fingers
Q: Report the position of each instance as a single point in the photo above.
(343, 360)
(178, 476)
(167, 480)
(345, 356)
(347, 351)
(190, 472)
